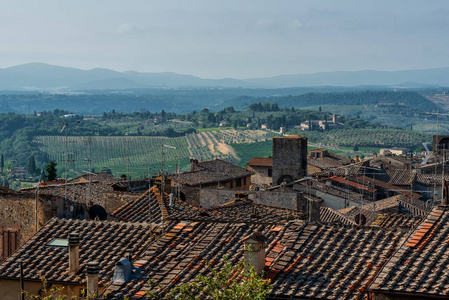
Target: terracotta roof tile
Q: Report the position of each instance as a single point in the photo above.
(148, 207)
(261, 162)
(421, 264)
(302, 260)
(212, 171)
(100, 240)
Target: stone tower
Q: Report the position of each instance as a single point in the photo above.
(289, 158)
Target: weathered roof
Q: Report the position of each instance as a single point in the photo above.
(431, 179)
(330, 216)
(392, 205)
(302, 261)
(347, 170)
(387, 186)
(247, 211)
(328, 160)
(395, 221)
(106, 242)
(352, 184)
(80, 189)
(331, 190)
(420, 266)
(401, 177)
(261, 162)
(212, 171)
(149, 208)
(291, 136)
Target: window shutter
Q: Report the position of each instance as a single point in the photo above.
(5, 238)
(10, 242)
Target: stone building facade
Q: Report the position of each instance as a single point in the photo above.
(289, 158)
(22, 215)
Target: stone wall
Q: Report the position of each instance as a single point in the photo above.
(212, 197)
(280, 199)
(192, 195)
(113, 200)
(261, 175)
(18, 211)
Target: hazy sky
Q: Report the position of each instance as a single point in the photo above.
(227, 38)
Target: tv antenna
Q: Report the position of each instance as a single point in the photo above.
(66, 127)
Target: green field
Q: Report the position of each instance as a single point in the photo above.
(247, 151)
(139, 155)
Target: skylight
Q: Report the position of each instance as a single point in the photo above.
(59, 243)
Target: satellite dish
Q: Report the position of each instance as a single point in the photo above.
(360, 219)
(98, 212)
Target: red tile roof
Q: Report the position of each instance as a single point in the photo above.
(330, 216)
(302, 261)
(212, 171)
(149, 208)
(352, 184)
(261, 162)
(103, 241)
(421, 265)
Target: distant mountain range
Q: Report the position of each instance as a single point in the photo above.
(39, 76)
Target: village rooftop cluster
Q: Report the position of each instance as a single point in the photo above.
(319, 226)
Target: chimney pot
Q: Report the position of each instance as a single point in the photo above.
(93, 268)
(129, 255)
(74, 253)
(255, 251)
(74, 239)
(92, 278)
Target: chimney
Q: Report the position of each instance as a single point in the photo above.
(129, 255)
(357, 158)
(193, 164)
(254, 247)
(375, 154)
(171, 200)
(74, 253)
(92, 279)
(122, 271)
(334, 118)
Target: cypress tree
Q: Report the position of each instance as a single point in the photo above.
(51, 171)
(32, 165)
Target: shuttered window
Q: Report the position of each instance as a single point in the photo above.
(10, 242)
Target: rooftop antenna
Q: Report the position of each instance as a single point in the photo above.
(163, 179)
(428, 154)
(66, 127)
(89, 168)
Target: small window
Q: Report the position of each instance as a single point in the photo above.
(270, 172)
(244, 180)
(238, 182)
(232, 184)
(59, 243)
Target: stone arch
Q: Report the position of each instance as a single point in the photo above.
(284, 178)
